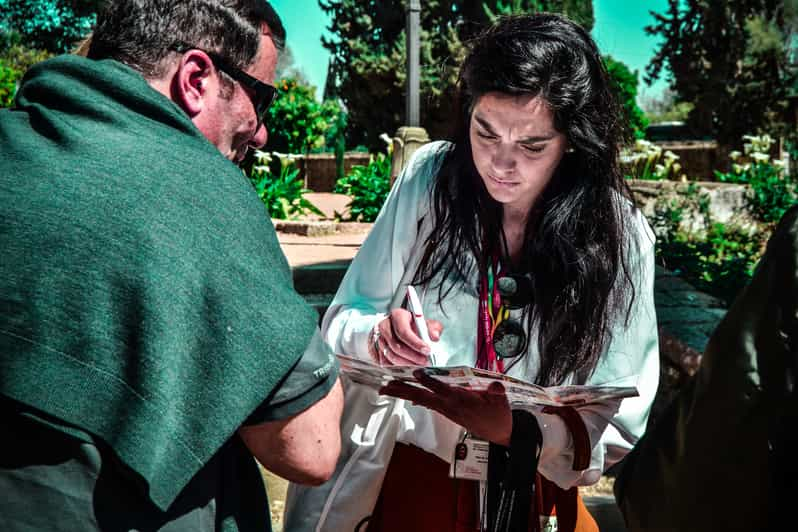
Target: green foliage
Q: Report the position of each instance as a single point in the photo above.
(21, 58)
(297, 123)
(368, 186)
(368, 57)
(9, 77)
(729, 58)
(646, 160)
(283, 194)
(624, 83)
(716, 258)
(719, 262)
(678, 112)
(52, 25)
(14, 62)
(772, 192)
(580, 11)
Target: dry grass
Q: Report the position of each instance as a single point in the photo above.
(601, 488)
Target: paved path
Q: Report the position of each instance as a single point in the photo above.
(305, 251)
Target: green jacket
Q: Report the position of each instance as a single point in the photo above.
(722, 456)
(144, 299)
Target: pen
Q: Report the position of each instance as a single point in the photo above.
(421, 322)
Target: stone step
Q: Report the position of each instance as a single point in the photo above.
(319, 278)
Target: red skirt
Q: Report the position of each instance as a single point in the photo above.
(417, 495)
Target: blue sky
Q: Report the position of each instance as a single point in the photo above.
(618, 32)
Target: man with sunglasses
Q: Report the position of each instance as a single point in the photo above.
(151, 342)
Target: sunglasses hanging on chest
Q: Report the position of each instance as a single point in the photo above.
(500, 335)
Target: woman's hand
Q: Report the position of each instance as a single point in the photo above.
(395, 340)
(485, 414)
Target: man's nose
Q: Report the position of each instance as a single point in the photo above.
(260, 137)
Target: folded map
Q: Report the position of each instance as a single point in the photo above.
(519, 393)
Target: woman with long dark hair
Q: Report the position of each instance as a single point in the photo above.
(530, 258)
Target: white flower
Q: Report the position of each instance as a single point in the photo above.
(760, 157)
(286, 159)
(263, 157)
(670, 156)
(388, 141)
(735, 155)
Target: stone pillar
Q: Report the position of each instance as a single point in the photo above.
(413, 63)
(408, 138)
(406, 141)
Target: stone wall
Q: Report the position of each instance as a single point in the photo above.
(699, 158)
(701, 202)
(318, 169)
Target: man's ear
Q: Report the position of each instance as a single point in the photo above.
(194, 82)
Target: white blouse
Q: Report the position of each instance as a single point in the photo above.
(389, 257)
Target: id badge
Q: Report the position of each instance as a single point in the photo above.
(470, 459)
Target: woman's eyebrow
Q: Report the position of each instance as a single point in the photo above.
(537, 138)
(526, 140)
(482, 122)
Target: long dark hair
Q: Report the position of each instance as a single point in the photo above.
(577, 244)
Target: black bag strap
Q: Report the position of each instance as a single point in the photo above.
(511, 476)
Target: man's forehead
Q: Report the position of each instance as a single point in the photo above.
(265, 64)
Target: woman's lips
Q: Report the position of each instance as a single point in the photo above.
(502, 182)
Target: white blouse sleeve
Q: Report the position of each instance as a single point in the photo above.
(366, 291)
(632, 359)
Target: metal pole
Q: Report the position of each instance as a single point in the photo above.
(412, 113)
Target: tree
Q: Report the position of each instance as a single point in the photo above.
(665, 108)
(580, 12)
(729, 59)
(52, 25)
(287, 67)
(297, 122)
(624, 83)
(368, 55)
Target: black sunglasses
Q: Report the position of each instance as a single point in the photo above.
(264, 93)
(509, 338)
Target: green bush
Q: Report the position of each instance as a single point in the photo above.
(21, 58)
(646, 160)
(772, 192)
(719, 261)
(368, 186)
(52, 25)
(624, 84)
(9, 77)
(716, 258)
(297, 123)
(14, 62)
(283, 194)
